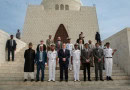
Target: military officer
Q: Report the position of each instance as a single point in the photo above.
(70, 47)
(98, 60)
(108, 53)
(52, 61)
(85, 55)
(76, 62)
(49, 42)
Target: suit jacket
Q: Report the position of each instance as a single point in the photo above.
(98, 54)
(44, 47)
(62, 54)
(97, 37)
(81, 48)
(8, 45)
(79, 39)
(58, 47)
(44, 58)
(86, 55)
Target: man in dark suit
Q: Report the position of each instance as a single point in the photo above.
(98, 60)
(64, 56)
(97, 37)
(41, 44)
(86, 61)
(11, 47)
(41, 61)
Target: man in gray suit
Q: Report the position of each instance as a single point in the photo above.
(98, 60)
(86, 61)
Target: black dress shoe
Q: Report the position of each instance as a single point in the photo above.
(61, 80)
(107, 78)
(110, 79)
(101, 80)
(37, 80)
(66, 80)
(32, 80)
(25, 80)
(42, 80)
(89, 80)
(96, 79)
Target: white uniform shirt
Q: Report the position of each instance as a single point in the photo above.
(91, 46)
(108, 52)
(102, 47)
(69, 46)
(52, 55)
(76, 56)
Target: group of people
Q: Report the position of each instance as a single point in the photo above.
(68, 57)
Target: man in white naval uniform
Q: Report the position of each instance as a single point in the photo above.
(70, 47)
(76, 62)
(108, 53)
(52, 61)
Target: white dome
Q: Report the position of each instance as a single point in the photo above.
(51, 4)
(77, 0)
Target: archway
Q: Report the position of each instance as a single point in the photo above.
(61, 32)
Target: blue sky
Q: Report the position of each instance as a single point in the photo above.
(113, 15)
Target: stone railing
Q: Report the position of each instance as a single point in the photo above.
(3, 39)
(121, 42)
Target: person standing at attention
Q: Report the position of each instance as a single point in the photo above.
(108, 53)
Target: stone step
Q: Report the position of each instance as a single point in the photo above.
(22, 66)
(57, 71)
(21, 70)
(70, 83)
(57, 74)
(57, 78)
(17, 63)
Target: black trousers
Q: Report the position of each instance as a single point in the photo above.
(11, 51)
(63, 70)
(98, 41)
(86, 66)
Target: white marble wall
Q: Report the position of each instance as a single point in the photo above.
(121, 42)
(40, 23)
(3, 38)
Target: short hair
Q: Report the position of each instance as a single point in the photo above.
(30, 44)
(86, 44)
(96, 43)
(41, 41)
(107, 43)
(11, 35)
